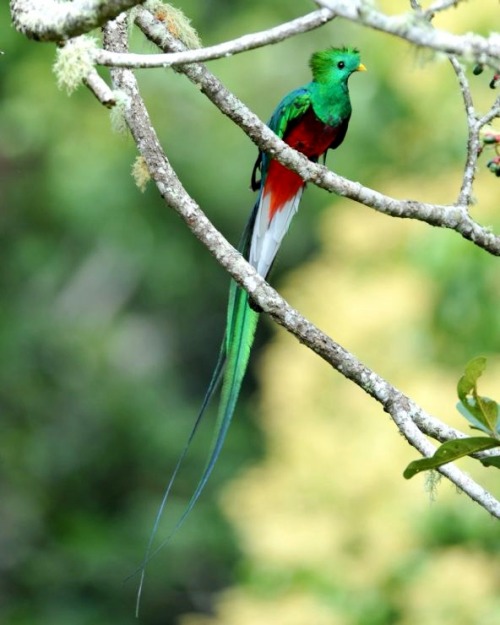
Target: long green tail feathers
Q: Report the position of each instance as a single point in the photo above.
(238, 343)
(230, 370)
(231, 367)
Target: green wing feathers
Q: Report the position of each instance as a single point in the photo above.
(292, 106)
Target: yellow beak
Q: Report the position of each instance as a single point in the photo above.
(361, 68)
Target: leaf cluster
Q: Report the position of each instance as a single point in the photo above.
(481, 412)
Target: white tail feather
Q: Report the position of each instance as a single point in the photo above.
(268, 234)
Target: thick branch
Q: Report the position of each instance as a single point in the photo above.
(403, 410)
(50, 20)
(452, 216)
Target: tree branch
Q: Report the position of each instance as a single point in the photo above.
(251, 41)
(50, 20)
(100, 89)
(403, 410)
(473, 144)
(475, 125)
(415, 28)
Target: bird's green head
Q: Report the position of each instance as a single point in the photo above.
(335, 64)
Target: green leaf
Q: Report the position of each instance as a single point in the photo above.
(494, 461)
(475, 423)
(484, 411)
(477, 407)
(468, 381)
(489, 410)
(450, 451)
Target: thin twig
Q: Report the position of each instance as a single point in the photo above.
(473, 144)
(228, 48)
(474, 125)
(441, 5)
(491, 114)
(100, 89)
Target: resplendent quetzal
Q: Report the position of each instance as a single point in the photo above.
(312, 119)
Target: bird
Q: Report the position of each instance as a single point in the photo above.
(312, 119)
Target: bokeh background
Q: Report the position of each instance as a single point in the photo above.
(111, 315)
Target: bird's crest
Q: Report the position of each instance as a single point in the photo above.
(326, 63)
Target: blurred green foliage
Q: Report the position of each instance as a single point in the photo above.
(111, 313)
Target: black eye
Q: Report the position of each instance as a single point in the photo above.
(341, 64)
